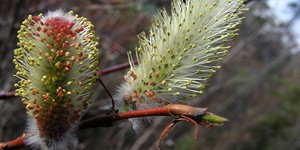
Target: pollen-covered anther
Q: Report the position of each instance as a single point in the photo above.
(149, 93)
(79, 98)
(68, 66)
(73, 58)
(49, 58)
(59, 53)
(133, 75)
(156, 74)
(41, 52)
(60, 92)
(67, 54)
(34, 92)
(34, 101)
(84, 105)
(80, 83)
(48, 45)
(74, 38)
(135, 95)
(46, 96)
(79, 29)
(126, 78)
(152, 83)
(155, 99)
(77, 45)
(79, 54)
(127, 98)
(58, 65)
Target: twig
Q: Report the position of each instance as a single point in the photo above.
(115, 68)
(14, 144)
(198, 115)
(168, 128)
(188, 119)
(6, 95)
(112, 101)
(168, 110)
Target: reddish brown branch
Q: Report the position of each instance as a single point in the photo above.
(14, 144)
(115, 68)
(188, 119)
(196, 114)
(112, 101)
(7, 95)
(177, 119)
(168, 110)
(164, 133)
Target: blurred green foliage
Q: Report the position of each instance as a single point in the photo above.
(279, 129)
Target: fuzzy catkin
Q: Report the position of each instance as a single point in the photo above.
(56, 63)
(178, 55)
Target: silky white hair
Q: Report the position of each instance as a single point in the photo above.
(68, 141)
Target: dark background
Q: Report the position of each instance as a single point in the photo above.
(257, 88)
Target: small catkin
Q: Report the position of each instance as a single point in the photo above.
(178, 55)
(56, 63)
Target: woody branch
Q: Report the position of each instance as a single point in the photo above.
(199, 115)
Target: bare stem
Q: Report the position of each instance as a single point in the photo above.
(14, 144)
(7, 95)
(115, 68)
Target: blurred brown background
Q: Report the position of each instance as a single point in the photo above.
(257, 87)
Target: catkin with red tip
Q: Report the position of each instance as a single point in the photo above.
(57, 63)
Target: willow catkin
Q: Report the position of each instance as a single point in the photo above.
(178, 55)
(57, 63)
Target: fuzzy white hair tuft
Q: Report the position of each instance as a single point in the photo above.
(67, 141)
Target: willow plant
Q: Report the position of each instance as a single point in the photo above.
(57, 64)
(180, 52)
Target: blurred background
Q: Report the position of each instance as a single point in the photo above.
(257, 88)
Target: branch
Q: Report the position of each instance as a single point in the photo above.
(115, 68)
(7, 95)
(14, 144)
(199, 115)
